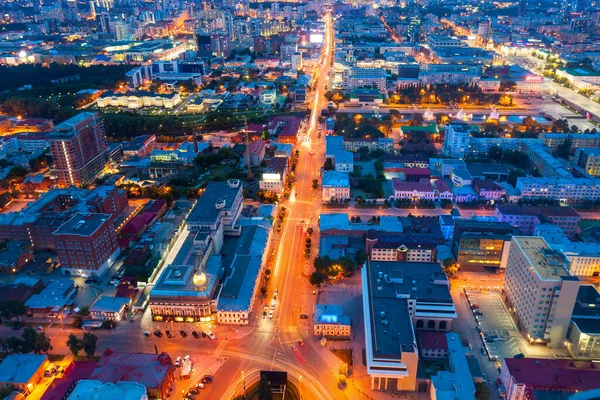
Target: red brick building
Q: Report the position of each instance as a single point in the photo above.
(86, 244)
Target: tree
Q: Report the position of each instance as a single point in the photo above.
(77, 322)
(508, 85)
(29, 336)
(450, 267)
(263, 290)
(74, 344)
(328, 164)
(267, 272)
(10, 309)
(417, 119)
(482, 391)
(309, 231)
(361, 257)
(14, 344)
(264, 389)
(42, 343)
(89, 343)
(495, 153)
(564, 149)
(529, 121)
(316, 278)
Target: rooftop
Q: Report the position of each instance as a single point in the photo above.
(83, 224)
(20, 368)
(217, 194)
(333, 221)
(109, 304)
(548, 263)
(554, 374)
(334, 178)
(239, 285)
(96, 390)
(147, 369)
(56, 295)
(330, 314)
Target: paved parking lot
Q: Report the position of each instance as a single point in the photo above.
(495, 322)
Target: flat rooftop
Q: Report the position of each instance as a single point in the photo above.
(19, 368)
(205, 209)
(548, 263)
(83, 225)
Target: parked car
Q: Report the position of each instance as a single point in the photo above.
(303, 316)
(158, 334)
(474, 305)
(178, 362)
(211, 335)
(183, 333)
(169, 334)
(195, 334)
(146, 333)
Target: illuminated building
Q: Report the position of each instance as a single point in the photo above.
(479, 245)
(330, 321)
(539, 291)
(79, 149)
(275, 175)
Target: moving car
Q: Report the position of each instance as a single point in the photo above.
(211, 335)
(207, 379)
(271, 314)
(178, 362)
(303, 316)
(301, 342)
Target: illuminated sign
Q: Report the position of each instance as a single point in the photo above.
(316, 38)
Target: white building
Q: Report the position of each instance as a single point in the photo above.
(274, 177)
(364, 77)
(456, 140)
(539, 290)
(335, 186)
(330, 321)
(565, 190)
(296, 61)
(139, 99)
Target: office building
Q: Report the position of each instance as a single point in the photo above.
(478, 245)
(364, 77)
(79, 149)
(399, 298)
(86, 244)
(539, 291)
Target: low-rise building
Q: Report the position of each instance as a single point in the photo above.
(343, 160)
(22, 372)
(138, 99)
(110, 308)
(335, 186)
(139, 147)
(589, 160)
(457, 383)
(54, 300)
(95, 389)
(528, 378)
(527, 218)
(355, 144)
(412, 190)
(487, 190)
(155, 372)
(330, 322)
(274, 177)
(563, 190)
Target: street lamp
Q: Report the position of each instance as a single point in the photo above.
(300, 386)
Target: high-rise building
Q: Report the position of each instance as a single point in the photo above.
(79, 149)
(539, 291)
(522, 8)
(296, 61)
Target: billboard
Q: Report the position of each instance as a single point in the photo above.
(316, 38)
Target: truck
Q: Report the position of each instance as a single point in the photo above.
(91, 325)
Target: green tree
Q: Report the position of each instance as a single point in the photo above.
(564, 149)
(77, 322)
(10, 309)
(89, 343)
(74, 344)
(316, 278)
(42, 343)
(264, 389)
(14, 344)
(361, 257)
(29, 337)
(495, 153)
(328, 164)
(482, 391)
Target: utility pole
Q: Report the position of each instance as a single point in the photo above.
(247, 153)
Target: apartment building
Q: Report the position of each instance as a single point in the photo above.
(401, 247)
(589, 159)
(539, 291)
(564, 190)
(79, 149)
(527, 218)
(275, 176)
(456, 140)
(553, 140)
